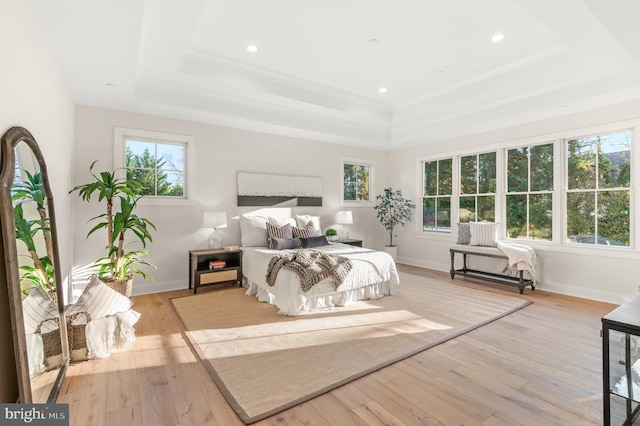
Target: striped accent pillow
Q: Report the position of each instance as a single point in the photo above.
(483, 234)
(274, 231)
(306, 232)
(99, 300)
(38, 307)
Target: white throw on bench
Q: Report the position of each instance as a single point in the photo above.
(518, 256)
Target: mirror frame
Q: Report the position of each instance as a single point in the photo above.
(7, 162)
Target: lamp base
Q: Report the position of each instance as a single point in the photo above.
(215, 239)
(343, 233)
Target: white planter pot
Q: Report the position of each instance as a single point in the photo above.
(392, 251)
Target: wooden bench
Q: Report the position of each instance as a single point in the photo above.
(493, 252)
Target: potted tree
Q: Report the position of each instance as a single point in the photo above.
(393, 209)
(31, 192)
(117, 268)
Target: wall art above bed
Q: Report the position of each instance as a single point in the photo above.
(258, 189)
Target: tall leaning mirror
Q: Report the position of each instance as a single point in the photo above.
(36, 297)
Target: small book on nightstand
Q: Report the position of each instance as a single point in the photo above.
(217, 264)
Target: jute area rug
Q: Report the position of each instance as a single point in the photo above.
(265, 363)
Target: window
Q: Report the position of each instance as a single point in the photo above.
(598, 189)
(357, 182)
(436, 199)
(158, 161)
(477, 198)
(529, 198)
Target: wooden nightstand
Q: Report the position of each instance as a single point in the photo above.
(201, 275)
(351, 242)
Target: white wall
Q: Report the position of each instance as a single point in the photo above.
(580, 272)
(33, 95)
(219, 154)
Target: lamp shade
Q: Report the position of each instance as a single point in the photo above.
(344, 217)
(214, 220)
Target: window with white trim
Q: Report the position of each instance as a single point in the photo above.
(357, 182)
(158, 161)
(436, 195)
(477, 195)
(598, 197)
(529, 197)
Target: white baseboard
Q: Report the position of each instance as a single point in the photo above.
(552, 287)
(141, 287)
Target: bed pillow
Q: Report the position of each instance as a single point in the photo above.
(303, 220)
(37, 307)
(483, 234)
(284, 243)
(306, 232)
(274, 231)
(311, 242)
(253, 231)
(464, 233)
(276, 221)
(99, 300)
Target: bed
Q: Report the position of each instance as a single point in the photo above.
(373, 273)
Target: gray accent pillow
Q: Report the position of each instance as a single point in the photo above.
(283, 243)
(311, 242)
(464, 233)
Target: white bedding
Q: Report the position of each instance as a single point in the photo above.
(373, 276)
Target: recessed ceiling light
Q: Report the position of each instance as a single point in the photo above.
(374, 41)
(251, 48)
(382, 90)
(497, 37)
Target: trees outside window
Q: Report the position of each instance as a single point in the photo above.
(158, 167)
(477, 199)
(529, 198)
(357, 182)
(598, 189)
(437, 192)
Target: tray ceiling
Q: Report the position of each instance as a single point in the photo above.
(319, 65)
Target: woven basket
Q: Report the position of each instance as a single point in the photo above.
(53, 294)
(122, 286)
(78, 336)
(52, 344)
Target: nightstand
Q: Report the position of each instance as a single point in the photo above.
(352, 242)
(200, 274)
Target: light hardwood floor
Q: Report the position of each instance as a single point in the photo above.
(538, 366)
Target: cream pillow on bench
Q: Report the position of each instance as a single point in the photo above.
(483, 234)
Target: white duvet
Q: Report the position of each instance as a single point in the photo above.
(373, 276)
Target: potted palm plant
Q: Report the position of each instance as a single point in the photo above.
(117, 268)
(392, 209)
(31, 192)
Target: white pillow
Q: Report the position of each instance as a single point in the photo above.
(483, 234)
(253, 231)
(280, 222)
(99, 300)
(303, 219)
(37, 307)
